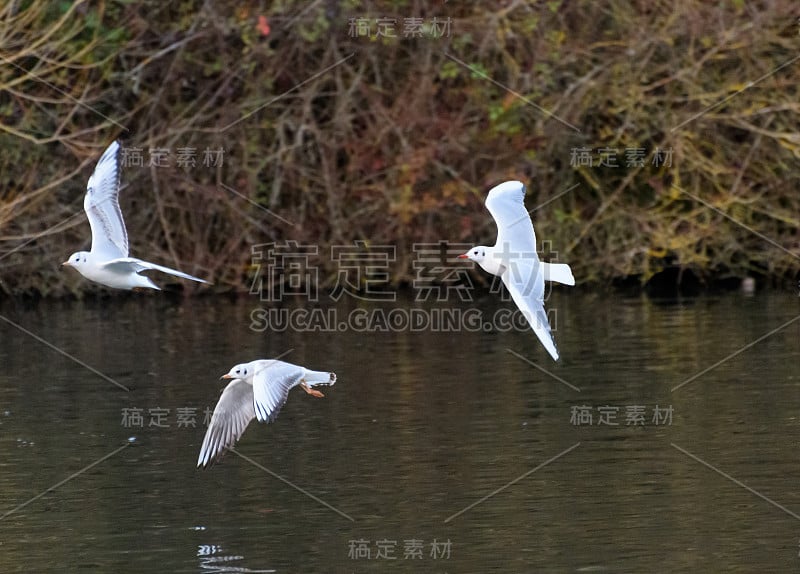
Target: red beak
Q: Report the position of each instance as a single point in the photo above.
(463, 256)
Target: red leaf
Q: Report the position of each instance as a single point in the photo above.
(263, 26)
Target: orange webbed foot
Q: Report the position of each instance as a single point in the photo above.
(310, 391)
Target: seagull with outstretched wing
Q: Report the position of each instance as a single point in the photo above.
(514, 259)
(108, 262)
(258, 390)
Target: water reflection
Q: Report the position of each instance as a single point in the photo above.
(419, 427)
(214, 559)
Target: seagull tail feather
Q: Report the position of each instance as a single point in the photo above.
(558, 272)
(316, 378)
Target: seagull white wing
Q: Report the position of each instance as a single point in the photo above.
(506, 203)
(271, 386)
(526, 285)
(128, 264)
(109, 238)
(233, 413)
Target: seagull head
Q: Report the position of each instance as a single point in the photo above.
(77, 259)
(476, 254)
(244, 371)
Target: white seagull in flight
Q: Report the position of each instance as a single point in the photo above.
(108, 263)
(513, 257)
(258, 390)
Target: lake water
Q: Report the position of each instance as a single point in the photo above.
(435, 452)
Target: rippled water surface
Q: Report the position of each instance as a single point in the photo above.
(449, 452)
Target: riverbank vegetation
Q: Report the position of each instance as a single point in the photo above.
(660, 138)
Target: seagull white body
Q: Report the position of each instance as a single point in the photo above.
(514, 259)
(258, 390)
(108, 262)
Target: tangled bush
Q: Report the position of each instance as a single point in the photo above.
(659, 136)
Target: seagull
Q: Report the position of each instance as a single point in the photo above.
(258, 390)
(513, 258)
(108, 263)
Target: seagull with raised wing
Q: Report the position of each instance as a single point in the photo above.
(108, 262)
(258, 390)
(514, 259)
